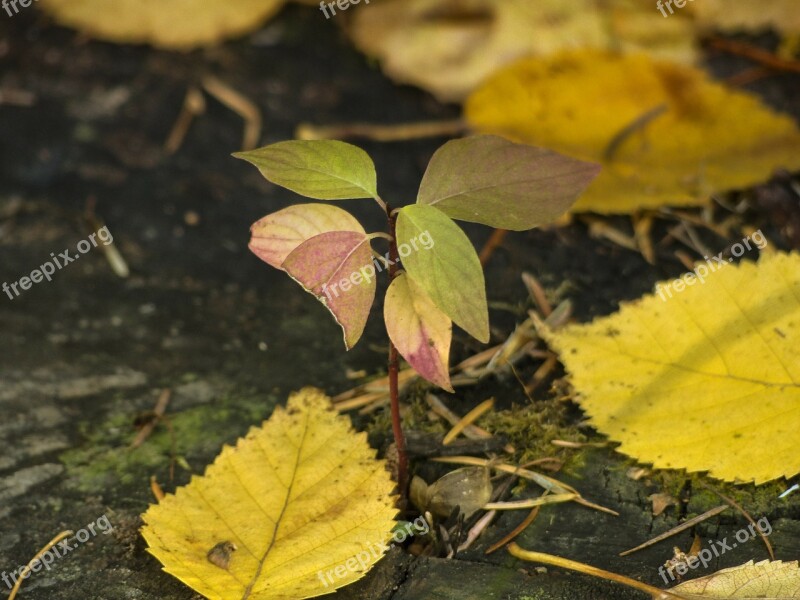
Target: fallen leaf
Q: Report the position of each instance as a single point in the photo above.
(449, 46)
(664, 133)
(450, 271)
(336, 267)
(297, 497)
(321, 169)
(767, 580)
(175, 24)
(703, 379)
(661, 502)
(275, 236)
(421, 332)
(487, 179)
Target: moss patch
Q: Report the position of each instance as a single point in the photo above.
(106, 460)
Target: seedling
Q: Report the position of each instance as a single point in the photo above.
(435, 276)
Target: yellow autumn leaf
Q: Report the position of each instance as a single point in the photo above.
(297, 498)
(448, 47)
(175, 24)
(767, 580)
(702, 376)
(664, 133)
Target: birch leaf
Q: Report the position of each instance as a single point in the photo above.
(664, 133)
(275, 236)
(321, 169)
(767, 580)
(420, 331)
(486, 179)
(175, 24)
(336, 267)
(703, 378)
(301, 494)
(450, 271)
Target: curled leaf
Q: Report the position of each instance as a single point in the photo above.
(337, 268)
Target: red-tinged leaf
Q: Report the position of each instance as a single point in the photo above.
(337, 268)
(487, 179)
(276, 235)
(420, 331)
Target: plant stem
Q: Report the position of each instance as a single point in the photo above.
(394, 359)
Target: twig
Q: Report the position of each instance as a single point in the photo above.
(27, 569)
(239, 104)
(747, 516)
(468, 419)
(507, 539)
(565, 563)
(675, 530)
(158, 413)
(756, 54)
(494, 242)
(193, 105)
(382, 133)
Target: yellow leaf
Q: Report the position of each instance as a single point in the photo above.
(449, 46)
(705, 378)
(767, 580)
(297, 497)
(664, 133)
(177, 24)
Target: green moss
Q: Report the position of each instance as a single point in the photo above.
(106, 460)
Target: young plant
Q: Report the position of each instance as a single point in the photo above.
(483, 179)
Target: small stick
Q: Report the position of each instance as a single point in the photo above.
(193, 105)
(531, 502)
(477, 529)
(382, 133)
(623, 134)
(675, 530)
(565, 563)
(507, 539)
(747, 516)
(158, 412)
(493, 243)
(536, 292)
(239, 104)
(158, 492)
(27, 569)
(756, 54)
(468, 420)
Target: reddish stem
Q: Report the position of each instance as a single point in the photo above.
(394, 360)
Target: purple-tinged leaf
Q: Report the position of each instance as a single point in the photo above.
(337, 268)
(490, 180)
(275, 236)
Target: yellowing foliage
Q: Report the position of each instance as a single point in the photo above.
(706, 379)
(299, 495)
(768, 580)
(664, 133)
(177, 24)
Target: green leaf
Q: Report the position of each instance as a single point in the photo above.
(321, 169)
(275, 236)
(337, 268)
(420, 331)
(487, 179)
(449, 271)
